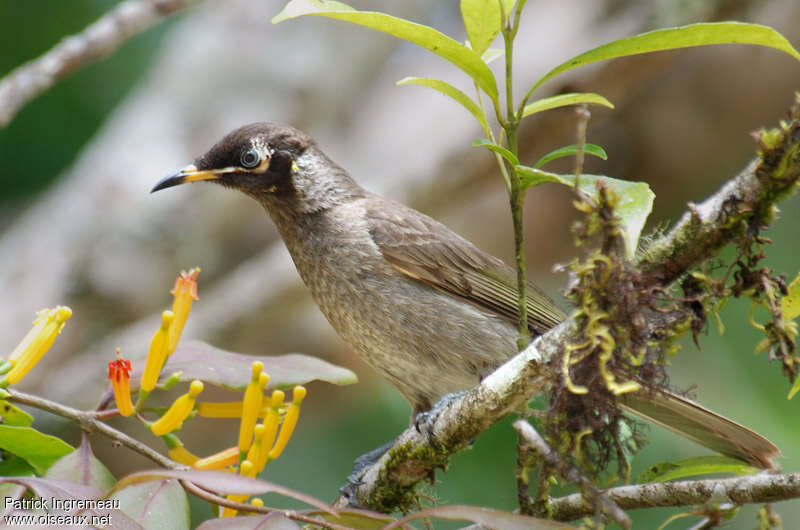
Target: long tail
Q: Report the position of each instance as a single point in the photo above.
(703, 426)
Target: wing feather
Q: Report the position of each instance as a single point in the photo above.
(428, 251)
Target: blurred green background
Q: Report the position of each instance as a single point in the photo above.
(98, 138)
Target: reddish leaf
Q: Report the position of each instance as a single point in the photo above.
(161, 504)
(82, 467)
(272, 521)
(223, 484)
(199, 360)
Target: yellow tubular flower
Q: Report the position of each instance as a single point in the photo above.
(226, 409)
(182, 455)
(271, 428)
(246, 469)
(185, 292)
(256, 501)
(257, 447)
(226, 457)
(36, 343)
(119, 373)
(251, 406)
(288, 423)
(157, 353)
(179, 411)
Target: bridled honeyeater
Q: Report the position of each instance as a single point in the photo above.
(424, 307)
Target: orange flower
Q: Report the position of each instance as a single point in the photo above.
(119, 373)
(185, 292)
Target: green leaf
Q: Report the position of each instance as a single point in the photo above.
(449, 90)
(499, 149)
(419, 34)
(563, 100)
(40, 450)
(482, 20)
(635, 198)
(491, 54)
(702, 34)
(571, 150)
(82, 467)
(161, 504)
(14, 466)
(701, 465)
(199, 360)
(12, 415)
(790, 304)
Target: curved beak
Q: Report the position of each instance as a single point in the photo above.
(189, 173)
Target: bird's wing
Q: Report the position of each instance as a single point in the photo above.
(428, 251)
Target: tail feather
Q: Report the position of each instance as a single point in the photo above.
(703, 426)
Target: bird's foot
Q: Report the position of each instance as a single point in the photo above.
(425, 421)
(348, 491)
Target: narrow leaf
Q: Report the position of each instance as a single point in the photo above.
(419, 34)
(449, 90)
(38, 449)
(491, 54)
(701, 465)
(199, 360)
(499, 149)
(571, 150)
(702, 34)
(482, 20)
(634, 205)
(563, 100)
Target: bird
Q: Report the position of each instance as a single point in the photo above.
(424, 307)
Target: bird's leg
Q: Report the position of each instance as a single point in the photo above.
(359, 464)
(425, 420)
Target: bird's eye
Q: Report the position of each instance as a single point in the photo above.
(250, 159)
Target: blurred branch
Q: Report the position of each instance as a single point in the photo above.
(745, 203)
(98, 40)
(751, 489)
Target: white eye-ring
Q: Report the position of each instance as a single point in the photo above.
(250, 159)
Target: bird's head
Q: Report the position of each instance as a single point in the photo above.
(275, 164)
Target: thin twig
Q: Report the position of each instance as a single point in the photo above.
(753, 489)
(598, 499)
(98, 40)
(90, 422)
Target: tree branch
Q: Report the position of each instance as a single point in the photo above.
(752, 489)
(90, 422)
(98, 40)
(744, 202)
